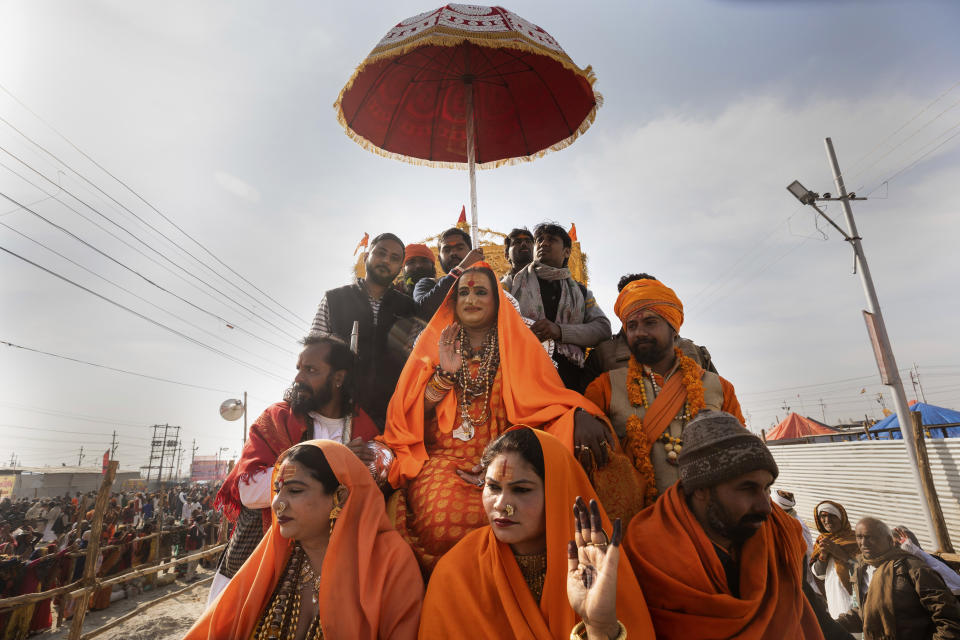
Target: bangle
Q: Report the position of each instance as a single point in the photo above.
(445, 375)
(456, 272)
(580, 632)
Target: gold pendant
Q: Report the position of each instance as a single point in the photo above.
(465, 431)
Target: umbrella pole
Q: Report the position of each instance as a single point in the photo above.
(472, 164)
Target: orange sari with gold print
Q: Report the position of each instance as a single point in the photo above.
(478, 591)
(370, 585)
(686, 586)
(436, 507)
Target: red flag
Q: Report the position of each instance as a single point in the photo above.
(363, 243)
(106, 460)
(463, 215)
(573, 232)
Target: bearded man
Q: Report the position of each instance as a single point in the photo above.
(898, 596)
(318, 405)
(418, 263)
(650, 402)
(615, 352)
(377, 307)
(563, 310)
(834, 556)
(456, 254)
(713, 557)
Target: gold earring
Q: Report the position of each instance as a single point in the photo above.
(337, 508)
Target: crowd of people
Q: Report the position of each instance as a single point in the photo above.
(43, 543)
(423, 485)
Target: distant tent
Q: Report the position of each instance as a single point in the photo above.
(796, 426)
(932, 415)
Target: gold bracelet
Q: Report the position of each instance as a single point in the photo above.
(580, 632)
(441, 382)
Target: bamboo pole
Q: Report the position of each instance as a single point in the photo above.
(141, 608)
(139, 573)
(93, 550)
(941, 535)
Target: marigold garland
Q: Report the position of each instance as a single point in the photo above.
(636, 444)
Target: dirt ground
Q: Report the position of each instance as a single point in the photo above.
(168, 620)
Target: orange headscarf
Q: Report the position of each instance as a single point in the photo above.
(371, 585)
(686, 587)
(650, 294)
(532, 390)
(477, 589)
(418, 251)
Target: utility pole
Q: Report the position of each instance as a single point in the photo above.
(876, 327)
(113, 446)
(193, 456)
(916, 369)
(163, 452)
(80, 459)
(823, 411)
(785, 407)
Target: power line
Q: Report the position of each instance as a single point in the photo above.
(145, 244)
(136, 295)
(142, 199)
(143, 317)
(103, 366)
(917, 161)
(73, 416)
(106, 255)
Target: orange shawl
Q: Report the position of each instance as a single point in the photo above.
(477, 589)
(371, 585)
(686, 587)
(532, 390)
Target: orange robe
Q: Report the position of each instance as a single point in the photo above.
(370, 586)
(434, 509)
(478, 591)
(686, 587)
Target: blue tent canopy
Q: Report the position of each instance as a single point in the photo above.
(931, 414)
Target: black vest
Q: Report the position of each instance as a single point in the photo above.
(382, 348)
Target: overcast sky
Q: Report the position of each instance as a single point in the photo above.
(219, 115)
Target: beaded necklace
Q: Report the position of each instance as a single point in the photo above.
(282, 615)
(475, 382)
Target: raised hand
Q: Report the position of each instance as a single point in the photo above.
(591, 441)
(449, 348)
(592, 571)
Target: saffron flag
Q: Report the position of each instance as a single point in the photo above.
(573, 232)
(363, 243)
(106, 461)
(463, 215)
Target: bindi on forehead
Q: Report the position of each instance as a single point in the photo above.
(501, 470)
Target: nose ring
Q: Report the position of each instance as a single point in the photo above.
(281, 506)
(508, 510)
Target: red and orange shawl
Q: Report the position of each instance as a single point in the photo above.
(477, 589)
(842, 545)
(371, 586)
(533, 393)
(276, 430)
(686, 587)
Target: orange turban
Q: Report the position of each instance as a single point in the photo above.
(650, 294)
(418, 251)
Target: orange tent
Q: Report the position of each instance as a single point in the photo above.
(796, 426)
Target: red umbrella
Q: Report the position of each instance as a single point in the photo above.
(463, 86)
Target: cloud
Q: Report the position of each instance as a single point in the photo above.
(236, 186)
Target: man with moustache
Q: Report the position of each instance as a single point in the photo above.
(376, 306)
(650, 402)
(615, 352)
(518, 250)
(418, 263)
(318, 405)
(713, 557)
(562, 309)
(456, 254)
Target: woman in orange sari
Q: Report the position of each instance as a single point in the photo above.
(477, 369)
(331, 565)
(509, 579)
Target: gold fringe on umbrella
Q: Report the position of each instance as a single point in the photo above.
(446, 37)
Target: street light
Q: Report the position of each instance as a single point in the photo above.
(876, 328)
(232, 409)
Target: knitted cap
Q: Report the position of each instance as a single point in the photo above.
(717, 448)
